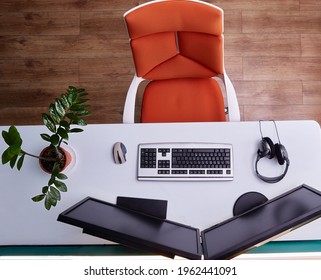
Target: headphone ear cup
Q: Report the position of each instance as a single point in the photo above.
(267, 147)
(280, 153)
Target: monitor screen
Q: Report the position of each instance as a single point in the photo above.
(119, 224)
(261, 224)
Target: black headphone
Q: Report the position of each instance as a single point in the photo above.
(270, 150)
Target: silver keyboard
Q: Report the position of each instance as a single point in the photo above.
(185, 161)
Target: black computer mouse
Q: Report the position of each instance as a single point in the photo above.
(119, 152)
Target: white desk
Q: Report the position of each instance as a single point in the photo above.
(199, 204)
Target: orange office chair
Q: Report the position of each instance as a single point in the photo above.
(178, 47)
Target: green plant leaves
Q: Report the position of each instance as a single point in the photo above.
(13, 161)
(80, 122)
(62, 176)
(53, 113)
(62, 133)
(49, 122)
(12, 153)
(66, 110)
(50, 201)
(12, 136)
(59, 108)
(65, 124)
(6, 157)
(52, 192)
(60, 186)
(64, 101)
(45, 137)
(63, 114)
(38, 198)
(54, 140)
(20, 161)
(76, 130)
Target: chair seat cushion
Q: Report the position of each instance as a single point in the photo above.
(183, 100)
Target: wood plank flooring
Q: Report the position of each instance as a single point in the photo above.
(272, 55)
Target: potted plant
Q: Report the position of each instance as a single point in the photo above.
(65, 114)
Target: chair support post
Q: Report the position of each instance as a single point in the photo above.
(233, 107)
(129, 108)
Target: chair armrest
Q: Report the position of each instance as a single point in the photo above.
(129, 108)
(232, 103)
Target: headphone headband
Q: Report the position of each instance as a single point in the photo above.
(276, 129)
(271, 180)
(271, 150)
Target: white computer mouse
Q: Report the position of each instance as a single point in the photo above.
(119, 152)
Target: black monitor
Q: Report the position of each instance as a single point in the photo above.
(133, 228)
(262, 223)
(222, 241)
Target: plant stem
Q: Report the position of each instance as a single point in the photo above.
(39, 157)
(60, 141)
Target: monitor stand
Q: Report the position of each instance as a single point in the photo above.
(247, 202)
(152, 207)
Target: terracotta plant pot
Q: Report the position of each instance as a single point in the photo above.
(48, 152)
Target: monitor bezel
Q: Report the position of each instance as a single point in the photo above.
(143, 244)
(128, 240)
(268, 235)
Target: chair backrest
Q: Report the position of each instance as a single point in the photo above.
(176, 39)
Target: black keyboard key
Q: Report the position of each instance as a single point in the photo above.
(163, 164)
(163, 172)
(179, 172)
(193, 162)
(148, 158)
(200, 171)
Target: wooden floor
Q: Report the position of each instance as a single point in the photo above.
(272, 55)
